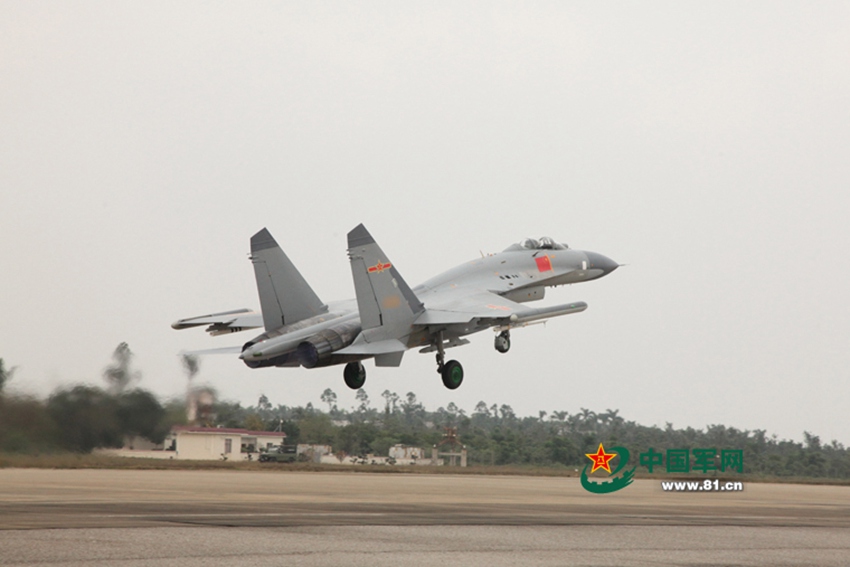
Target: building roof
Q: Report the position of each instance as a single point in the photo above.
(226, 430)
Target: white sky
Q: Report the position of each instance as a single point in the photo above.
(707, 145)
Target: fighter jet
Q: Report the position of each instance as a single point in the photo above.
(387, 317)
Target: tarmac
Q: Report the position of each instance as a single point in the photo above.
(210, 518)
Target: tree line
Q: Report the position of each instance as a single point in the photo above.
(81, 418)
(84, 417)
(494, 435)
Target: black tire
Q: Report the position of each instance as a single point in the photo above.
(354, 375)
(502, 344)
(452, 375)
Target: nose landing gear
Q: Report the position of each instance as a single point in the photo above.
(503, 342)
(354, 375)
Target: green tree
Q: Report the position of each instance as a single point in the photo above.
(140, 414)
(329, 397)
(25, 426)
(229, 414)
(562, 450)
(254, 422)
(316, 428)
(263, 403)
(356, 438)
(86, 418)
(5, 375)
(292, 431)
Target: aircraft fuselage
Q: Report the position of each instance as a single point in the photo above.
(518, 275)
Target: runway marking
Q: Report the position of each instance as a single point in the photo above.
(242, 515)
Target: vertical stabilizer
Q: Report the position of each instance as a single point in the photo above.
(383, 297)
(285, 296)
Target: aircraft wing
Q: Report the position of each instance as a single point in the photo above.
(460, 308)
(236, 349)
(223, 323)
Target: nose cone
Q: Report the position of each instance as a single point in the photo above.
(600, 262)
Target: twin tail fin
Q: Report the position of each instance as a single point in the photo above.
(285, 296)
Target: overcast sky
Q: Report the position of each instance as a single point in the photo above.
(706, 145)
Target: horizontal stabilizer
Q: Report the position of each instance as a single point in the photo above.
(380, 347)
(392, 359)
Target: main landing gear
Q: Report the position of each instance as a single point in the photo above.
(354, 375)
(503, 342)
(451, 371)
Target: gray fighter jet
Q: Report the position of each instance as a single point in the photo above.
(387, 317)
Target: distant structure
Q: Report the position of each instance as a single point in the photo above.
(192, 442)
(211, 443)
(199, 405)
(313, 453)
(406, 454)
(456, 450)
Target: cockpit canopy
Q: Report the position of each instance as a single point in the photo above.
(545, 243)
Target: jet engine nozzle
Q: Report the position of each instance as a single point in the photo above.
(320, 347)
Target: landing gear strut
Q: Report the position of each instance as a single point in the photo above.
(354, 375)
(451, 371)
(503, 342)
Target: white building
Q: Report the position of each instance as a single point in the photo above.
(406, 453)
(219, 443)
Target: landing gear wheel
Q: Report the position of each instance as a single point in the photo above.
(354, 375)
(452, 374)
(503, 342)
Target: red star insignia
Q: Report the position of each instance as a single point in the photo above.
(379, 267)
(600, 459)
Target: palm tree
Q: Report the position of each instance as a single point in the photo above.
(329, 397)
(118, 375)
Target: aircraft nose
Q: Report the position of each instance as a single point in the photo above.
(600, 262)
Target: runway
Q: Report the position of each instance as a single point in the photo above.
(77, 517)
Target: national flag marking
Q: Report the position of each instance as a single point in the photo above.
(379, 267)
(544, 264)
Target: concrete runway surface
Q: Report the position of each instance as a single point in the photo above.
(210, 518)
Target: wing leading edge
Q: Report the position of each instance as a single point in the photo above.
(223, 323)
